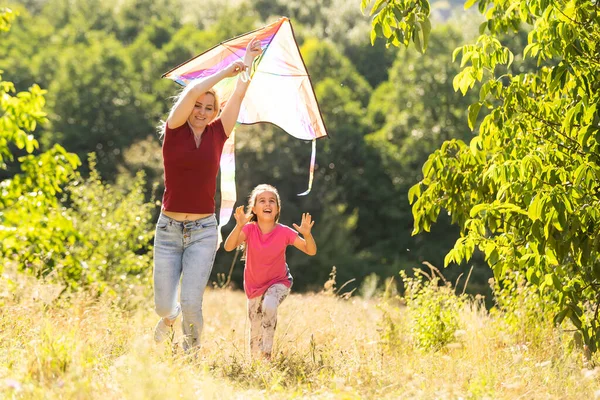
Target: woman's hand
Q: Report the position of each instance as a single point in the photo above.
(234, 69)
(240, 216)
(306, 224)
(232, 108)
(253, 50)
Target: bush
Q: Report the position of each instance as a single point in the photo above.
(114, 229)
(433, 309)
(523, 310)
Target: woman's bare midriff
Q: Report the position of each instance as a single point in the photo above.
(178, 216)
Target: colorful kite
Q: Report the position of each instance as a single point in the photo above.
(280, 93)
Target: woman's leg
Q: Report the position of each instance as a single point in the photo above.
(168, 251)
(200, 243)
(272, 299)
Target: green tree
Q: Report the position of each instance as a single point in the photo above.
(413, 114)
(32, 227)
(89, 234)
(324, 60)
(132, 17)
(97, 102)
(525, 189)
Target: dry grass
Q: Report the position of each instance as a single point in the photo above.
(327, 348)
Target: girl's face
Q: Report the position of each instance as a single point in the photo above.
(266, 207)
(204, 111)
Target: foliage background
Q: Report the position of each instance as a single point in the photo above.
(81, 175)
(385, 110)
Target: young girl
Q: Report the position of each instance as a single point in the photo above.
(267, 279)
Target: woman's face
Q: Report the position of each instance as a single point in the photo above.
(204, 111)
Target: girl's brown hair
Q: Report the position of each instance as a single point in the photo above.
(263, 187)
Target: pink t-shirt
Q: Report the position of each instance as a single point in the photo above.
(265, 258)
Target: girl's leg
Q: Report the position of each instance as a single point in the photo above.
(200, 243)
(255, 316)
(272, 299)
(168, 251)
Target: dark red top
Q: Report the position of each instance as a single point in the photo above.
(190, 172)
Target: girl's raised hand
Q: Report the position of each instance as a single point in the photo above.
(306, 224)
(240, 216)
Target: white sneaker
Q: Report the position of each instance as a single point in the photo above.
(162, 331)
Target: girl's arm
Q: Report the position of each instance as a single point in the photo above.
(308, 244)
(237, 237)
(232, 108)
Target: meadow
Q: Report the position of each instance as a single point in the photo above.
(327, 347)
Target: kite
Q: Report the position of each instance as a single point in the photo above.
(280, 93)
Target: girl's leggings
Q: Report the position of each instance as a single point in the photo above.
(262, 311)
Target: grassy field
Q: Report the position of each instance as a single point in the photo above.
(326, 348)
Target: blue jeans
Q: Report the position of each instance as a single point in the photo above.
(183, 251)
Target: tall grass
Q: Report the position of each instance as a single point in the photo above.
(84, 347)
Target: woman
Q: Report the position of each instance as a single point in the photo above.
(186, 233)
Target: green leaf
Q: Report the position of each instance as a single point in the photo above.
(552, 260)
(475, 144)
(387, 29)
(417, 37)
(575, 320)
(426, 25)
(473, 113)
(376, 6)
(536, 207)
(363, 5)
(428, 167)
(483, 92)
(466, 80)
(469, 4)
(482, 27)
(511, 58)
(477, 209)
(556, 76)
(580, 174)
(29, 146)
(455, 53)
(568, 12)
(558, 318)
(449, 258)
(532, 48)
(490, 12)
(373, 36)
(414, 192)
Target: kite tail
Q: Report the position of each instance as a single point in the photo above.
(228, 192)
(312, 168)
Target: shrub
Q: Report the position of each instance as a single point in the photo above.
(524, 310)
(433, 309)
(115, 231)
